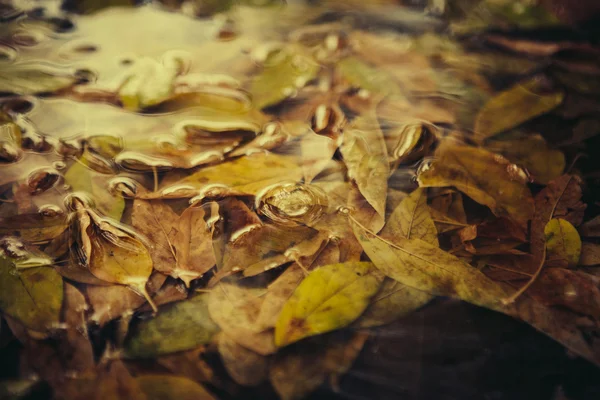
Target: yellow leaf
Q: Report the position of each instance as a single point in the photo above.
(425, 267)
(285, 72)
(469, 170)
(563, 244)
(363, 76)
(411, 219)
(514, 106)
(330, 298)
(163, 387)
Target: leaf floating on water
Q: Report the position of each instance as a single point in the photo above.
(25, 79)
(33, 296)
(187, 320)
(245, 366)
(246, 175)
(285, 71)
(82, 178)
(330, 298)
(363, 76)
(563, 244)
(10, 139)
(515, 106)
(163, 387)
(468, 169)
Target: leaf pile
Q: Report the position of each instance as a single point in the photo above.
(178, 225)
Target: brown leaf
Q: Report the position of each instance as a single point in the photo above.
(591, 228)
(235, 309)
(497, 236)
(590, 254)
(468, 169)
(245, 366)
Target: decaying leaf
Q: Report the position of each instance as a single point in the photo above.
(330, 298)
(360, 75)
(235, 310)
(245, 366)
(188, 320)
(514, 106)
(468, 169)
(563, 244)
(162, 387)
(302, 368)
(411, 220)
(590, 254)
(33, 296)
(26, 78)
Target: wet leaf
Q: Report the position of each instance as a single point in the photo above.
(425, 267)
(284, 72)
(365, 156)
(245, 366)
(10, 139)
(25, 79)
(245, 175)
(411, 219)
(83, 179)
(563, 244)
(360, 75)
(165, 387)
(235, 309)
(591, 228)
(317, 152)
(468, 169)
(33, 296)
(302, 368)
(514, 106)
(187, 320)
(590, 254)
(330, 298)
(532, 153)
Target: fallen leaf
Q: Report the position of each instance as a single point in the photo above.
(317, 152)
(33, 296)
(591, 228)
(81, 178)
(189, 364)
(329, 298)
(563, 244)
(300, 369)
(422, 266)
(532, 153)
(163, 387)
(10, 139)
(468, 169)
(33, 78)
(188, 320)
(590, 254)
(411, 219)
(514, 106)
(360, 75)
(365, 156)
(235, 309)
(245, 366)
(495, 236)
(284, 72)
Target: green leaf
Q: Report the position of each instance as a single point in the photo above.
(188, 321)
(33, 296)
(285, 71)
(168, 387)
(26, 79)
(563, 244)
(83, 179)
(329, 298)
(514, 106)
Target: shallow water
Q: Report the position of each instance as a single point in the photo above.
(173, 169)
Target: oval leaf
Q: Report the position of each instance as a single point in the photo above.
(563, 243)
(330, 298)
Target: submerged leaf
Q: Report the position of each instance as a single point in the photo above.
(25, 79)
(363, 76)
(188, 321)
(514, 106)
(330, 298)
(468, 169)
(411, 219)
(10, 139)
(33, 296)
(245, 366)
(563, 244)
(165, 387)
(285, 71)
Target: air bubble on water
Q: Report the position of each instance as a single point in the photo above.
(122, 186)
(59, 165)
(50, 210)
